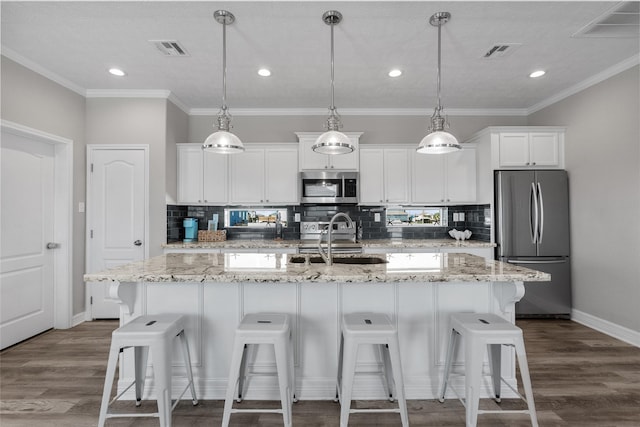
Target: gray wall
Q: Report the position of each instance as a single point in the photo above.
(177, 132)
(603, 162)
(377, 129)
(32, 100)
(137, 121)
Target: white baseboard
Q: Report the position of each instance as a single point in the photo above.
(616, 331)
(77, 319)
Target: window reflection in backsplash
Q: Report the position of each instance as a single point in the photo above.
(477, 219)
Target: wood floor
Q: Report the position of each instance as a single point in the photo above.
(580, 378)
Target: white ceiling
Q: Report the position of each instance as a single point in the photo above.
(78, 41)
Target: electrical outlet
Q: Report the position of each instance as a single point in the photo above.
(461, 216)
(296, 217)
(376, 217)
(455, 217)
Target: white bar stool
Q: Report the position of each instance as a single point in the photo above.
(376, 329)
(256, 329)
(480, 331)
(144, 333)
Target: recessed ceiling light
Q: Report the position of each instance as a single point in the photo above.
(117, 72)
(264, 72)
(538, 73)
(395, 73)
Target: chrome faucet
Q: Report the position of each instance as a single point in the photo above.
(327, 257)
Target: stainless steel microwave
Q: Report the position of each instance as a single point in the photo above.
(329, 187)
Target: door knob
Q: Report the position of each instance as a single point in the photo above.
(52, 245)
(138, 243)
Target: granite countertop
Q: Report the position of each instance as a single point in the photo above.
(378, 243)
(277, 268)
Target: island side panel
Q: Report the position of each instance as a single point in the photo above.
(420, 310)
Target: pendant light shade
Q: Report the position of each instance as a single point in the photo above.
(333, 141)
(223, 141)
(438, 141)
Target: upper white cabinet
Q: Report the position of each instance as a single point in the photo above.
(310, 160)
(444, 178)
(202, 176)
(515, 147)
(384, 175)
(264, 176)
(529, 149)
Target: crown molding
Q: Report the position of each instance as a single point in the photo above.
(36, 68)
(178, 103)
(127, 93)
(360, 111)
(591, 81)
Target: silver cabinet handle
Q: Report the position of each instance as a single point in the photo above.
(52, 245)
(138, 243)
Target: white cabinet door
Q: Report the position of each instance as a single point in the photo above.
(371, 176)
(281, 178)
(544, 149)
(215, 182)
(190, 174)
(461, 176)
(346, 161)
(396, 175)
(247, 176)
(514, 149)
(309, 159)
(427, 178)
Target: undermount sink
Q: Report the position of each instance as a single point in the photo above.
(339, 260)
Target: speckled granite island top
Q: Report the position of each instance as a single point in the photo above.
(376, 243)
(278, 268)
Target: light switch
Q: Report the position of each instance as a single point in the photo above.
(376, 217)
(455, 217)
(461, 216)
(81, 207)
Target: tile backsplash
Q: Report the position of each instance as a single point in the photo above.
(477, 219)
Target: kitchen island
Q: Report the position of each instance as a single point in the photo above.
(417, 290)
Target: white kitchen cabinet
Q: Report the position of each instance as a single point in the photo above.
(384, 175)
(528, 149)
(444, 178)
(264, 176)
(310, 160)
(202, 176)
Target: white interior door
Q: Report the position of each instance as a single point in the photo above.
(26, 265)
(117, 199)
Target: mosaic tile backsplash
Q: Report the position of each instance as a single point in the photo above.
(477, 219)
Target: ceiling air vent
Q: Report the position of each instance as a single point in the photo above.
(621, 21)
(501, 50)
(169, 47)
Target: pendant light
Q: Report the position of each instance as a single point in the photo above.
(438, 140)
(333, 141)
(223, 141)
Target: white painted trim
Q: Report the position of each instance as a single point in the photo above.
(78, 319)
(63, 218)
(27, 63)
(426, 112)
(127, 93)
(612, 329)
(585, 84)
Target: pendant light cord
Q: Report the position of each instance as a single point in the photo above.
(439, 59)
(333, 107)
(224, 66)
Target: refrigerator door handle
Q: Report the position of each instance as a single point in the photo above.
(541, 225)
(533, 219)
(556, 261)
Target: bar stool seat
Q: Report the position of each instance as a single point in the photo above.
(481, 331)
(376, 329)
(256, 329)
(144, 333)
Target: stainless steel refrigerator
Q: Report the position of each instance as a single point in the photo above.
(532, 230)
